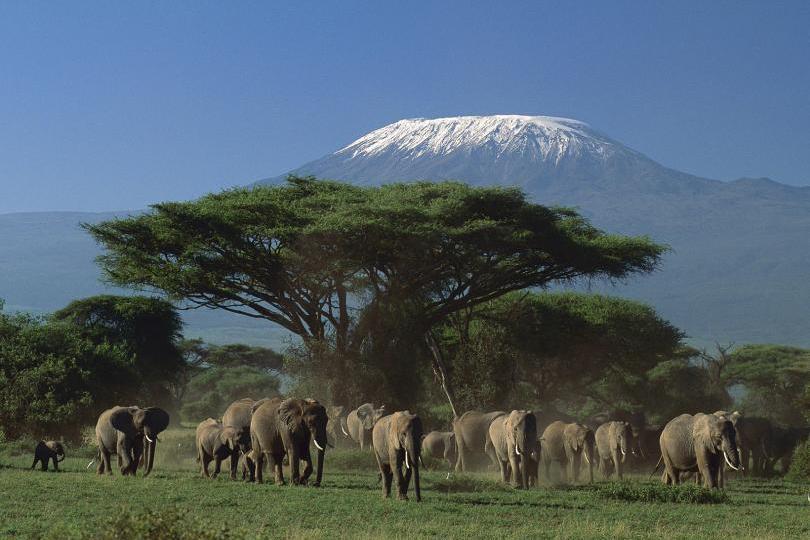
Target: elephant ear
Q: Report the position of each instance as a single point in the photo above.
(122, 419)
(364, 414)
(156, 418)
(289, 412)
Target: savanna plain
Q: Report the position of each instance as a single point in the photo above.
(176, 502)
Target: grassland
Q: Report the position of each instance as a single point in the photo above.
(175, 502)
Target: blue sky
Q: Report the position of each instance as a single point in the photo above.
(114, 105)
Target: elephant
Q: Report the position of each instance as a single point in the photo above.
(472, 438)
(46, 451)
(734, 418)
(781, 446)
(698, 443)
(612, 439)
(755, 433)
(218, 442)
(122, 431)
(514, 440)
(441, 445)
(360, 422)
(285, 428)
(567, 444)
(237, 416)
(396, 440)
(337, 428)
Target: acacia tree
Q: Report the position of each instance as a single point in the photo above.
(326, 260)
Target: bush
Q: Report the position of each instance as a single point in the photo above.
(800, 465)
(171, 524)
(684, 493)
(463, 483)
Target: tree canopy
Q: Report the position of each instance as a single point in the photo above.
(326, 259)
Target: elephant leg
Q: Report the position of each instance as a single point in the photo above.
(397, 470)
(407, 481)
(234, 463)
(278, 467)
(617, 463)
(33, 465)
(462, 456)
(258, 465)
(307, 468)
(672, 475)
(217, 466)
(104, 462)
(387, 477)
(295, 467)
(516, 473)
(55, 463)
(504, 472)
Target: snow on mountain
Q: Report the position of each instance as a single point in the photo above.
(543, 138)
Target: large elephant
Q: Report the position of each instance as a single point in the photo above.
(699, 443)
(613, 441)
(441, 445)
(472, 439)
(514, 439)
(396, 439)
(360, 422)
(46, 451)
(218, 442)
(237, 416)
(280, 428)
(781, 446)
(129, 432)
(566, 445)
(755, 433)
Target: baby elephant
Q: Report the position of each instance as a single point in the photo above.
(48, 450)
(216, 443)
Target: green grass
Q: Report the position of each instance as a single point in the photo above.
(176, 503)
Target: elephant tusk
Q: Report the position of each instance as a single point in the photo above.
(148, 439)
(317, 445)
(623, 452)
(585, 454)
(344, 431)
(90, 464)
(407, 465)
(517, 450)
(729, 462)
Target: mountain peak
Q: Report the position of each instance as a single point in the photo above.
(543, 138)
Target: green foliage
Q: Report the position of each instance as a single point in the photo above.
(210, 391)
(557, 349)
(661, 493)
(327, 260)
(800, 464)
(163, 524)
(146, 330)
(53, 379)
(776, 379)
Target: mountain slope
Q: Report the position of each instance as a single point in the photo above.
(738, 269)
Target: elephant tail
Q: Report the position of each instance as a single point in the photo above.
(655, 470)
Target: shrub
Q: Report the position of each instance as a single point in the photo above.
(171, 524)
(463, 483)
(800, 465)
(684, 493)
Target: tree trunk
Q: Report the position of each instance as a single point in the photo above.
(440, 370)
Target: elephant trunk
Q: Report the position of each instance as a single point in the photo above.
(412, 455)
(731, 453)
(319, 470)
(150, 456)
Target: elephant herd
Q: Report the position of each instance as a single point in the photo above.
(271, 432)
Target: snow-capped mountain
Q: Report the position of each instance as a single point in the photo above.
(734, 272)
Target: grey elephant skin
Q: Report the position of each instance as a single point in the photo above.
(286, 428)
(130, 433)
(360, 422)
(217, 442)
(614, 440)
(238, 416)
(514, 440)
(397, 441)
(441, 445)
(699, 443)
(472, 439)
(567, 444)
(337, 429)
(755, 434)
(47, 451)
